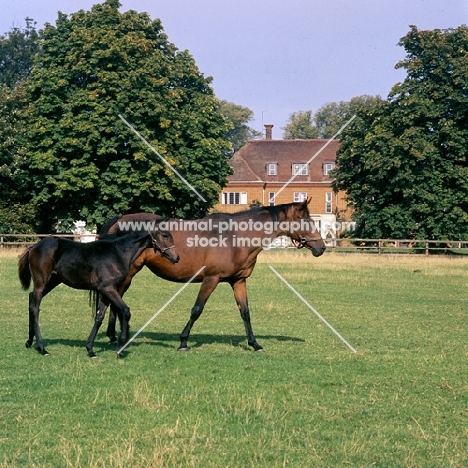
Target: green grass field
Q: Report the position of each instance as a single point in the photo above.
(307, 401)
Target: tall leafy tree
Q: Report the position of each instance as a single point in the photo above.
(239, 117)
(404, 163)
(332, 116)
(300, 126)
(84, 162)
(18, 48)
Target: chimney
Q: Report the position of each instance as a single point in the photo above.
(268, 131)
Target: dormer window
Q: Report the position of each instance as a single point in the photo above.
(271, 169)
(300, 169)
(327, 167)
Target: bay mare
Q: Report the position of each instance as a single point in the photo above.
(99, 266)
(227, 245)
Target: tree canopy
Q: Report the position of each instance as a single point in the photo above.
(300, 126)
(84, 163)
(17, 51)
(403, 163)
(326, 121)
(238, 116)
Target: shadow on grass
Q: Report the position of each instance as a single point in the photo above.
(171, 340)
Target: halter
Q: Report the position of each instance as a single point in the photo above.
(161, 249)
(166, 248)
(302, 242)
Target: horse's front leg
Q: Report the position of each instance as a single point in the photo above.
(209, 284)
(114, 312)
(100, 314)
(110, 333)
(114, 297)
(240, 293)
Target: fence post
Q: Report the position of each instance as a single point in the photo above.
(427, 248)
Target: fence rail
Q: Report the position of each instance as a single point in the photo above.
(376, 246)
(24, 240)
(396, 246)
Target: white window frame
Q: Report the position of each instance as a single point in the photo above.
(272, 169)
(327, 167)
(234, 198)
(271, 198)
(300, 196)
(300, 169)
(328, 202)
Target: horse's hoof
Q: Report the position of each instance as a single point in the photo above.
(92, 355)
(113, 342)
(45, 353)
(184, 349)
(28, 344)
(259, 350)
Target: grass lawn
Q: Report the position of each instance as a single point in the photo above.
(307, 401)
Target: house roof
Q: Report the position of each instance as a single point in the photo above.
(250, 162)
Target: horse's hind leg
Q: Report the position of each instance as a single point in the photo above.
(35, 299)
(34, 331)
(240, 293)
(208, 286)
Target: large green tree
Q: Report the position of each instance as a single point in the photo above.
(239, 117)
(18, 48)
(301, 126)
(331, 117)
(327, 120)
(404, 163)
(84, 162)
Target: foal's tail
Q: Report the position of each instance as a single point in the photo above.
(23, 269)
(94, 301)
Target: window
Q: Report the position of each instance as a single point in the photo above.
(271, 198)
(271, 169)
(234, 198)
(300, 169)
(300, 196)
(327, 167)
(328, 202)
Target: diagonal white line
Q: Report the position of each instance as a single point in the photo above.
(313, 310)
(314, 156)
(173, 169)
(161, 309)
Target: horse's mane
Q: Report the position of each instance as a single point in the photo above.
(275, 211)
(104, 231)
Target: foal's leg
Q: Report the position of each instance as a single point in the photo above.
(114, 311)
(208, 285)
(100, 314)
(35, 299)
(124, 311)
(240, 293)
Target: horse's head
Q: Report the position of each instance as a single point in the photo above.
(164, 243)
(303, 231)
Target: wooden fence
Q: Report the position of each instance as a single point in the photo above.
(375, 246)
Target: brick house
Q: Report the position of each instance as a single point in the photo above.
(263, 167)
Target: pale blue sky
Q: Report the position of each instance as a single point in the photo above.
(275, 56)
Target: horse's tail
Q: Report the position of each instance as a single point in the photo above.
(24, 272)
(94, 301)
(106, 227)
